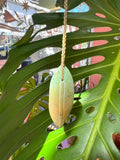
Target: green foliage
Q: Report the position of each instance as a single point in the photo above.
(98, 111)
(41, 104)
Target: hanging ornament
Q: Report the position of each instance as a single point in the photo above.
(61, 92)
(25, 6)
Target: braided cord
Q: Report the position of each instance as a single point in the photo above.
(64, 39)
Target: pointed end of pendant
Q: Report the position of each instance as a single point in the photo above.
(59, 123)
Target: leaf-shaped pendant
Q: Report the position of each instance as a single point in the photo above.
(61, 95)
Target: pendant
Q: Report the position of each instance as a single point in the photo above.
(61, 96)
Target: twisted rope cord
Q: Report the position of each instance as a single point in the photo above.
(64, 39)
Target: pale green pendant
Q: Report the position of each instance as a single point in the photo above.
(61, 95)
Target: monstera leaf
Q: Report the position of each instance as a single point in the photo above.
(97, 112)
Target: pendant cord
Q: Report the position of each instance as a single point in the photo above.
(64, 39)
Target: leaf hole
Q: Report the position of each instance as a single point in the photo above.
(68, 142)
(80, 46)
(90, 109)
(81, 86)
(117, 38)
(42, 158)
(100, 15)
(99, 43)
(2, 63)
(110, 117)
(59, 30)
(71, 119)
(97, 59)
(101, 29)
(118, 90)
(88, 61)
(51, 127)
(116, 140)
(94, 80)
(83, 7)
(89, 44)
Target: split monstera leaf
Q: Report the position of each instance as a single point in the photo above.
(97, 123)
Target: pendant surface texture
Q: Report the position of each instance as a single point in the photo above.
(61, 96)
